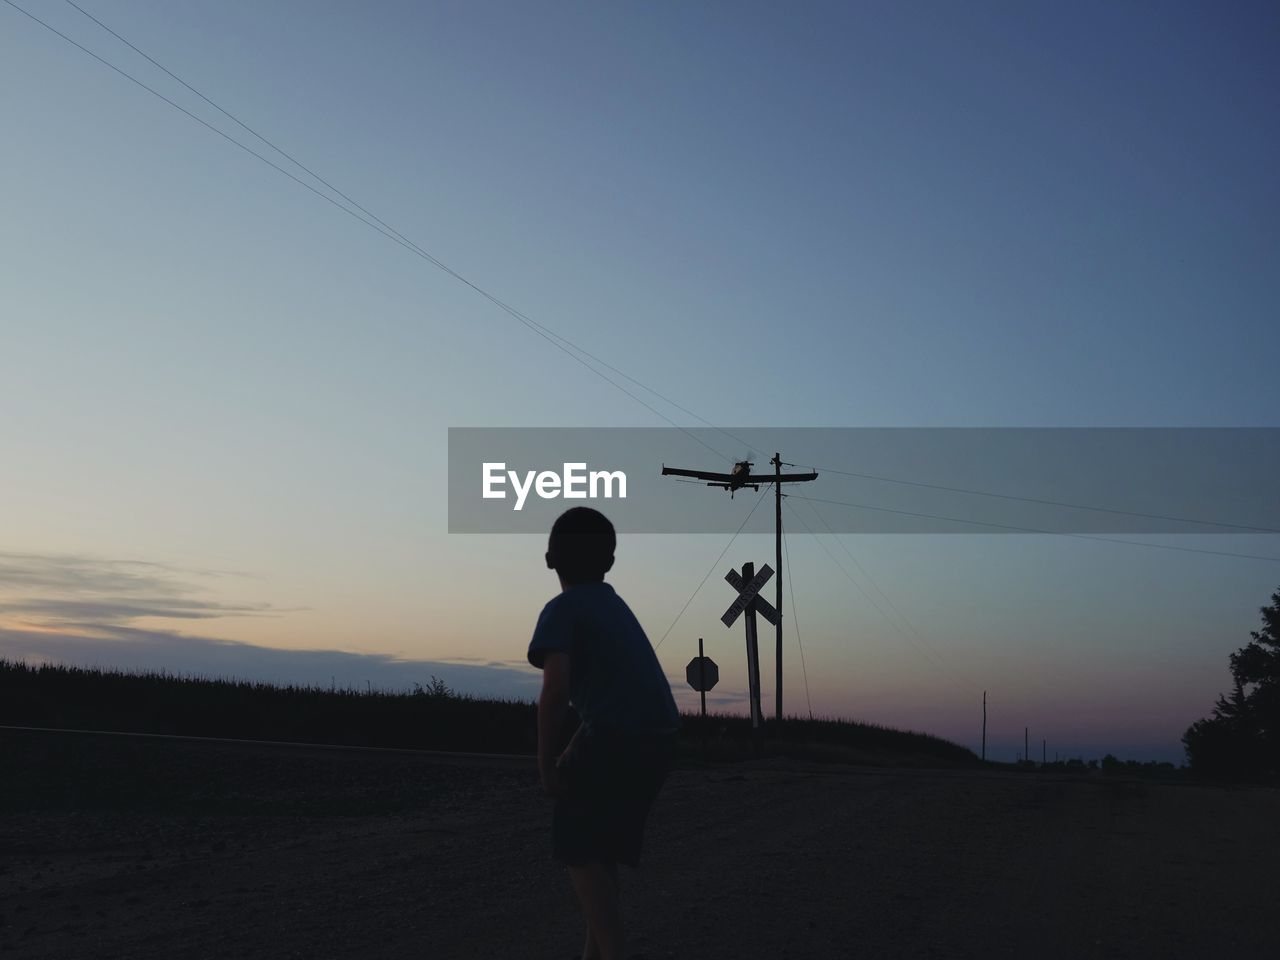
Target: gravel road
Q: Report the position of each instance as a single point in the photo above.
(132, 848)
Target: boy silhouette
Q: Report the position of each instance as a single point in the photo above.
(594, 655)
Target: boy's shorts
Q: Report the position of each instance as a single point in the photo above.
(611, 778)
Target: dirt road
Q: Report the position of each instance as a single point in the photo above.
(165, 849)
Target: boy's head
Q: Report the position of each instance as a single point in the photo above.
(581, 546)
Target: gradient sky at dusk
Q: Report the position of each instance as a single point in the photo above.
(226, 402)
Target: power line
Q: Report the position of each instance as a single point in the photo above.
(715, 563)
(395, 234)
(1052, 533)
(1047, 502)
(580, 355)
(795, 618)
(929, 653)
(910, 628)
(377, 224)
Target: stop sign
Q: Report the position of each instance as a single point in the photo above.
(702, 673)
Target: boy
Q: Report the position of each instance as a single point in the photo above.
(594, 654)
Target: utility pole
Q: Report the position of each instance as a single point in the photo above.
(1044, 751)
(1026, 745)
(777, 555)
(984, 725)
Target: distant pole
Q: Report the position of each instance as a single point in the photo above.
(777, 556)
(702, 683)
(1043, 751)
(1026, 745)
(984, 725)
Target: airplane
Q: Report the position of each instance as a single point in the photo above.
(740, 476)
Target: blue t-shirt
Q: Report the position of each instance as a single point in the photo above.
(615, 679)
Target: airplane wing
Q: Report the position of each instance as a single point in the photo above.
(698, 474)
(785, 478)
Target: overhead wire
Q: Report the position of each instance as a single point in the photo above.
(1047, 502)
(373, 221)
(571, 349)
(396, 234)
(928, 651)
(378, 225)
(1051, 533)
(520, 315)
(902, 617)
(715, 563)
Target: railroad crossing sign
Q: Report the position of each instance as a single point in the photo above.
(702, 673)
(748, 595)
(748, 584)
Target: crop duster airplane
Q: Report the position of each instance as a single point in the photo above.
(740, 476)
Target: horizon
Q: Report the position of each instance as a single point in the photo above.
(230, 401)
(435, 687)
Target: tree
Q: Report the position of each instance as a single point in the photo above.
(1242, 738)
(437, 689)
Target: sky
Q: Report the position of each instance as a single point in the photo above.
(226, 401)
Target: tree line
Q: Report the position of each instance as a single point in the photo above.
(431, 716)
(1241, 739)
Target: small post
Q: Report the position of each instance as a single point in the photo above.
(702, 682)
(984, 725)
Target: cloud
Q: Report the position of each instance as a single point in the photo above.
(82, 610)
(49, 589)
(79, 574)
(108, 611)
(90, 611)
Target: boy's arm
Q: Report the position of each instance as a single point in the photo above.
(553, 704)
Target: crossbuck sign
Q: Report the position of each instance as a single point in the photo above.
(748, 584)
(749, 593)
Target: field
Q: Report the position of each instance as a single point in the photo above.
(431, 718)
(155, 848)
